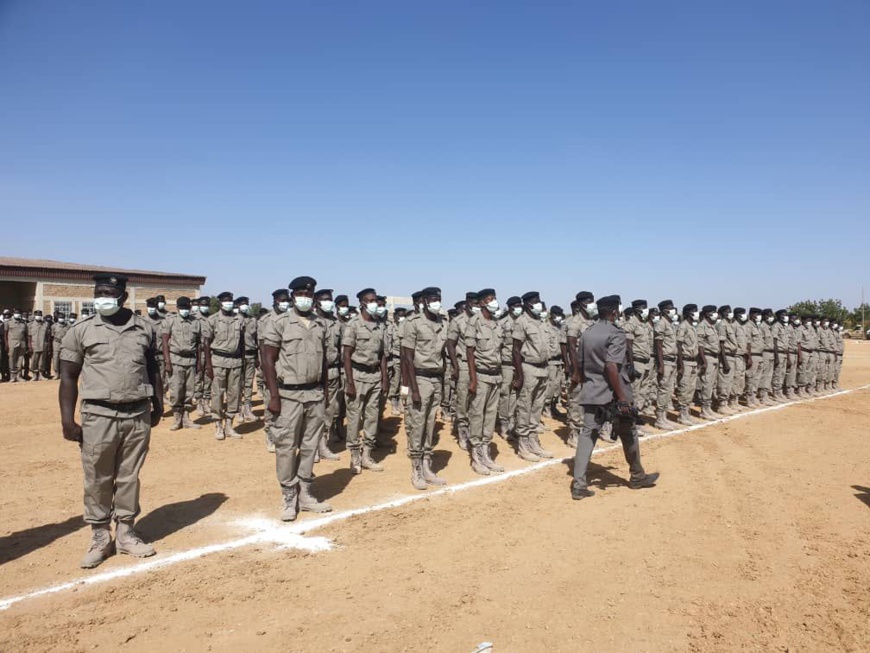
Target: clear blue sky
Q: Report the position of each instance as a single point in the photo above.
(706, 152)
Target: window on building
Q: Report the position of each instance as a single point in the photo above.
(87, 306)
(63, 308)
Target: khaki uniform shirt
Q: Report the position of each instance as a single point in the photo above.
(185, 335)
(664, 332)
(427, 338)
(740, 337)
(367, 339)
(576, 325)
(779, 333)
(456, 333)
(728, 337)
(507, 340)
(251, 340)
(17, 331)
(224, 334)
(555, 349)
(687, 337)
(301, 341)
(485, 337)
(708, 338)
(640, 333)
(58, 331)
(114, 362)
(38, 332)
(756, 337)
(333, 346)
(767, 335)
(535, 350)
(793, 338)
(156, 323)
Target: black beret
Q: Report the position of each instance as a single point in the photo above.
(430, 291)
(204, 298)
(792, 314)
(514, 301)
(531, 295)
(37, 312)
(73, 315)
(739, 310)
(584, 295)
(460, 305)
(639, 303)
(151, 302)
(303, 283)
(471, 296)
(557, 310)
(609, 301)
(280, 292)
(452, 312)
(381, 298)
(183, 302)
(160, 298)
(486, 292)
(243, 300)
(225, 296)
(323, 292)
(725, 308)
(781, 312)
(665, 304)
(365, 291)
(753, 310)
(111, 279)
(690, 308)
(767, 311)
(708, 308)
(654, 310)
(400, 311)
(341, 298)
(416, 295)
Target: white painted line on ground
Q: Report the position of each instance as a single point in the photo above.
(291, 536)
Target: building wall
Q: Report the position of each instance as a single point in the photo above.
(45, 295)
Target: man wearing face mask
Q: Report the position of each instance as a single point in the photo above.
(413, 314)
(755, 361)
(37, 334)
(780, 334)
(587, 313)
(456, 348)
(710, 357)
(153, 317)
(280, 304)
(58, 331)
(738, 384)
(728, 337)
(665, 348)
(639, 334)
(423, 343)
(251, 359)
(507, 402)
(602, 363)
(223, 340)
(556, 364)
(530, 354)
(688, 358)
(343, 315)
(324, 308)
(15, 335)
(342, 309)
(201, 308)
(483, 353)
(294, 363)
(826, 353)
(109, 359)
(840, 348)
(4, 352)
(180, 340)
(765, 383)
(394, 360)
(365, 367)
(793, 344)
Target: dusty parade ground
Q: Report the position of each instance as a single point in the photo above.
(757, 537)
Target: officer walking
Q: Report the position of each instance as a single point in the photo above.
(109, 359)
(181, 337)
(606, 395)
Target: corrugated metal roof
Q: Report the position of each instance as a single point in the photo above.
(79, 269)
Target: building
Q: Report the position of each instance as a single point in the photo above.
(53, 286)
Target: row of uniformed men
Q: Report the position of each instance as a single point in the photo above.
(30, 344)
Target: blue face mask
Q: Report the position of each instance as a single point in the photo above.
(184, 312)
(516, 311)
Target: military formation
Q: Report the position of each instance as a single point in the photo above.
(328, 370)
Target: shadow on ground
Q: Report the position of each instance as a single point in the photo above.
(173, 517)
(17, 545)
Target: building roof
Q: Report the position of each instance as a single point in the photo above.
(47, 269)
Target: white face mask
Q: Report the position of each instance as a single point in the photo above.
(492, 306)
(797, 322)
(815, 323)
(152, 310)
(205, 310)
(382, 311)
(516, 311)
(106, 305)
(434, 307)
(303, 304)
(401, 319)
(38, 318)
(714, 316)
(730, 315)
(741, 317)
(72, 321)
(227, 306)
(235, 311)
(161, 306)
(621, 310)
(545, 315)
(421, 306)
(475, 310)
(537, 308)
(655, 319)
(784, 319)
(371, 308)
(327, 305)
(757, 319)
(244, 308)
(283, 307)
(343, 310)
(644, 313)
(557, 320)
(591, 310)
(184, 312)
(675, 318)
(695, 315)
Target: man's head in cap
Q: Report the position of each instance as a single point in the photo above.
(459, 306)
(204, 305)
(416, 299)
(227, 303)
(557, 315)
(782, 315)
(244, 304)
(710, 313)
(368, 303)
(431, 298)
(609, 308)
(532, 303)
(324, 305)
(399, 314)
(515, 306)
(382, 306)
(471, 304)
(586, 304)
(161, 303)
(725, 312)
(740, 314)
(302, 290)
(668, 310)
(342, 306)
(281, 300)
(110, 293)
(755, 314)
(641, 309)
(487, 301)
(768, 316)
(655, 315)
(691, 313)
(795, 319)
(183, 305)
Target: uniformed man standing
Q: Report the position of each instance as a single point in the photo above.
(223, 340)
(394, 359)
(826, 355)
(602, 363)
(294, 348)
(112, 355)
(507, 403)
(530, 354)
(728, 338)
(202, 392)
(15, 334)
(741, 360)
(781, 338)
(37, 334)
(687, 362)
(483, 341)
(324, 308)
(251, 360)
(765, 382)
(280, 304)
(556, 362)
(587, 313)
(58, 331)
(365, 367)
(423, 343)
(755, 360)
(456, 348)
(665, 348)
(155, 319)
(710, 358)
(181, 338)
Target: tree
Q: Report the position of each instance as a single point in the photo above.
(854, 319)
(806, 307)
(830, 308)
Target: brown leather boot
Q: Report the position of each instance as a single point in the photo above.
(417, 474)
(478, 465)
(101, 547)
(307, 502)
(368, 462)
(428, 475)
(525, 451)
(128, 541)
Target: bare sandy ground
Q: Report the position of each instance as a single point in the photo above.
(756, 538)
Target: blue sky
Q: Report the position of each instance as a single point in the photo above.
(705, 152)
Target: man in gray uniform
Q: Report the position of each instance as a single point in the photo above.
(37, 334)
(223, 338)
(665, 347)
(507, 403)
(423, 342)
(639, 333)
(155, 319)
(280, 304)
(587, 313)
(112, 354)
(202, 389)
(602, 362)
(456, 347)
(743, 357)
(728, 338)
(755, 360)
(294, 348)
(324, 308)
(181, 337)
(687, 362)
(780, 332)
(710, 358)
(58, 331)
(15, 334)
(765, 382)
(251, 359)
(365, 367)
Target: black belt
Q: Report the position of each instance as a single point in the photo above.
(731, 354)
(178, 353)
(224, 354)
(670, 359)
(756, 353)
(359, 367)
(768, 351)
(124, 406)
(250, 352)
(556, 358)
(300, 386)
(429, 374)
(544, 364)
(809, 351)
(710, 353)
(640, 359)
(488, 372)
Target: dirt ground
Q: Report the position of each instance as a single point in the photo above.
(757, 538)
